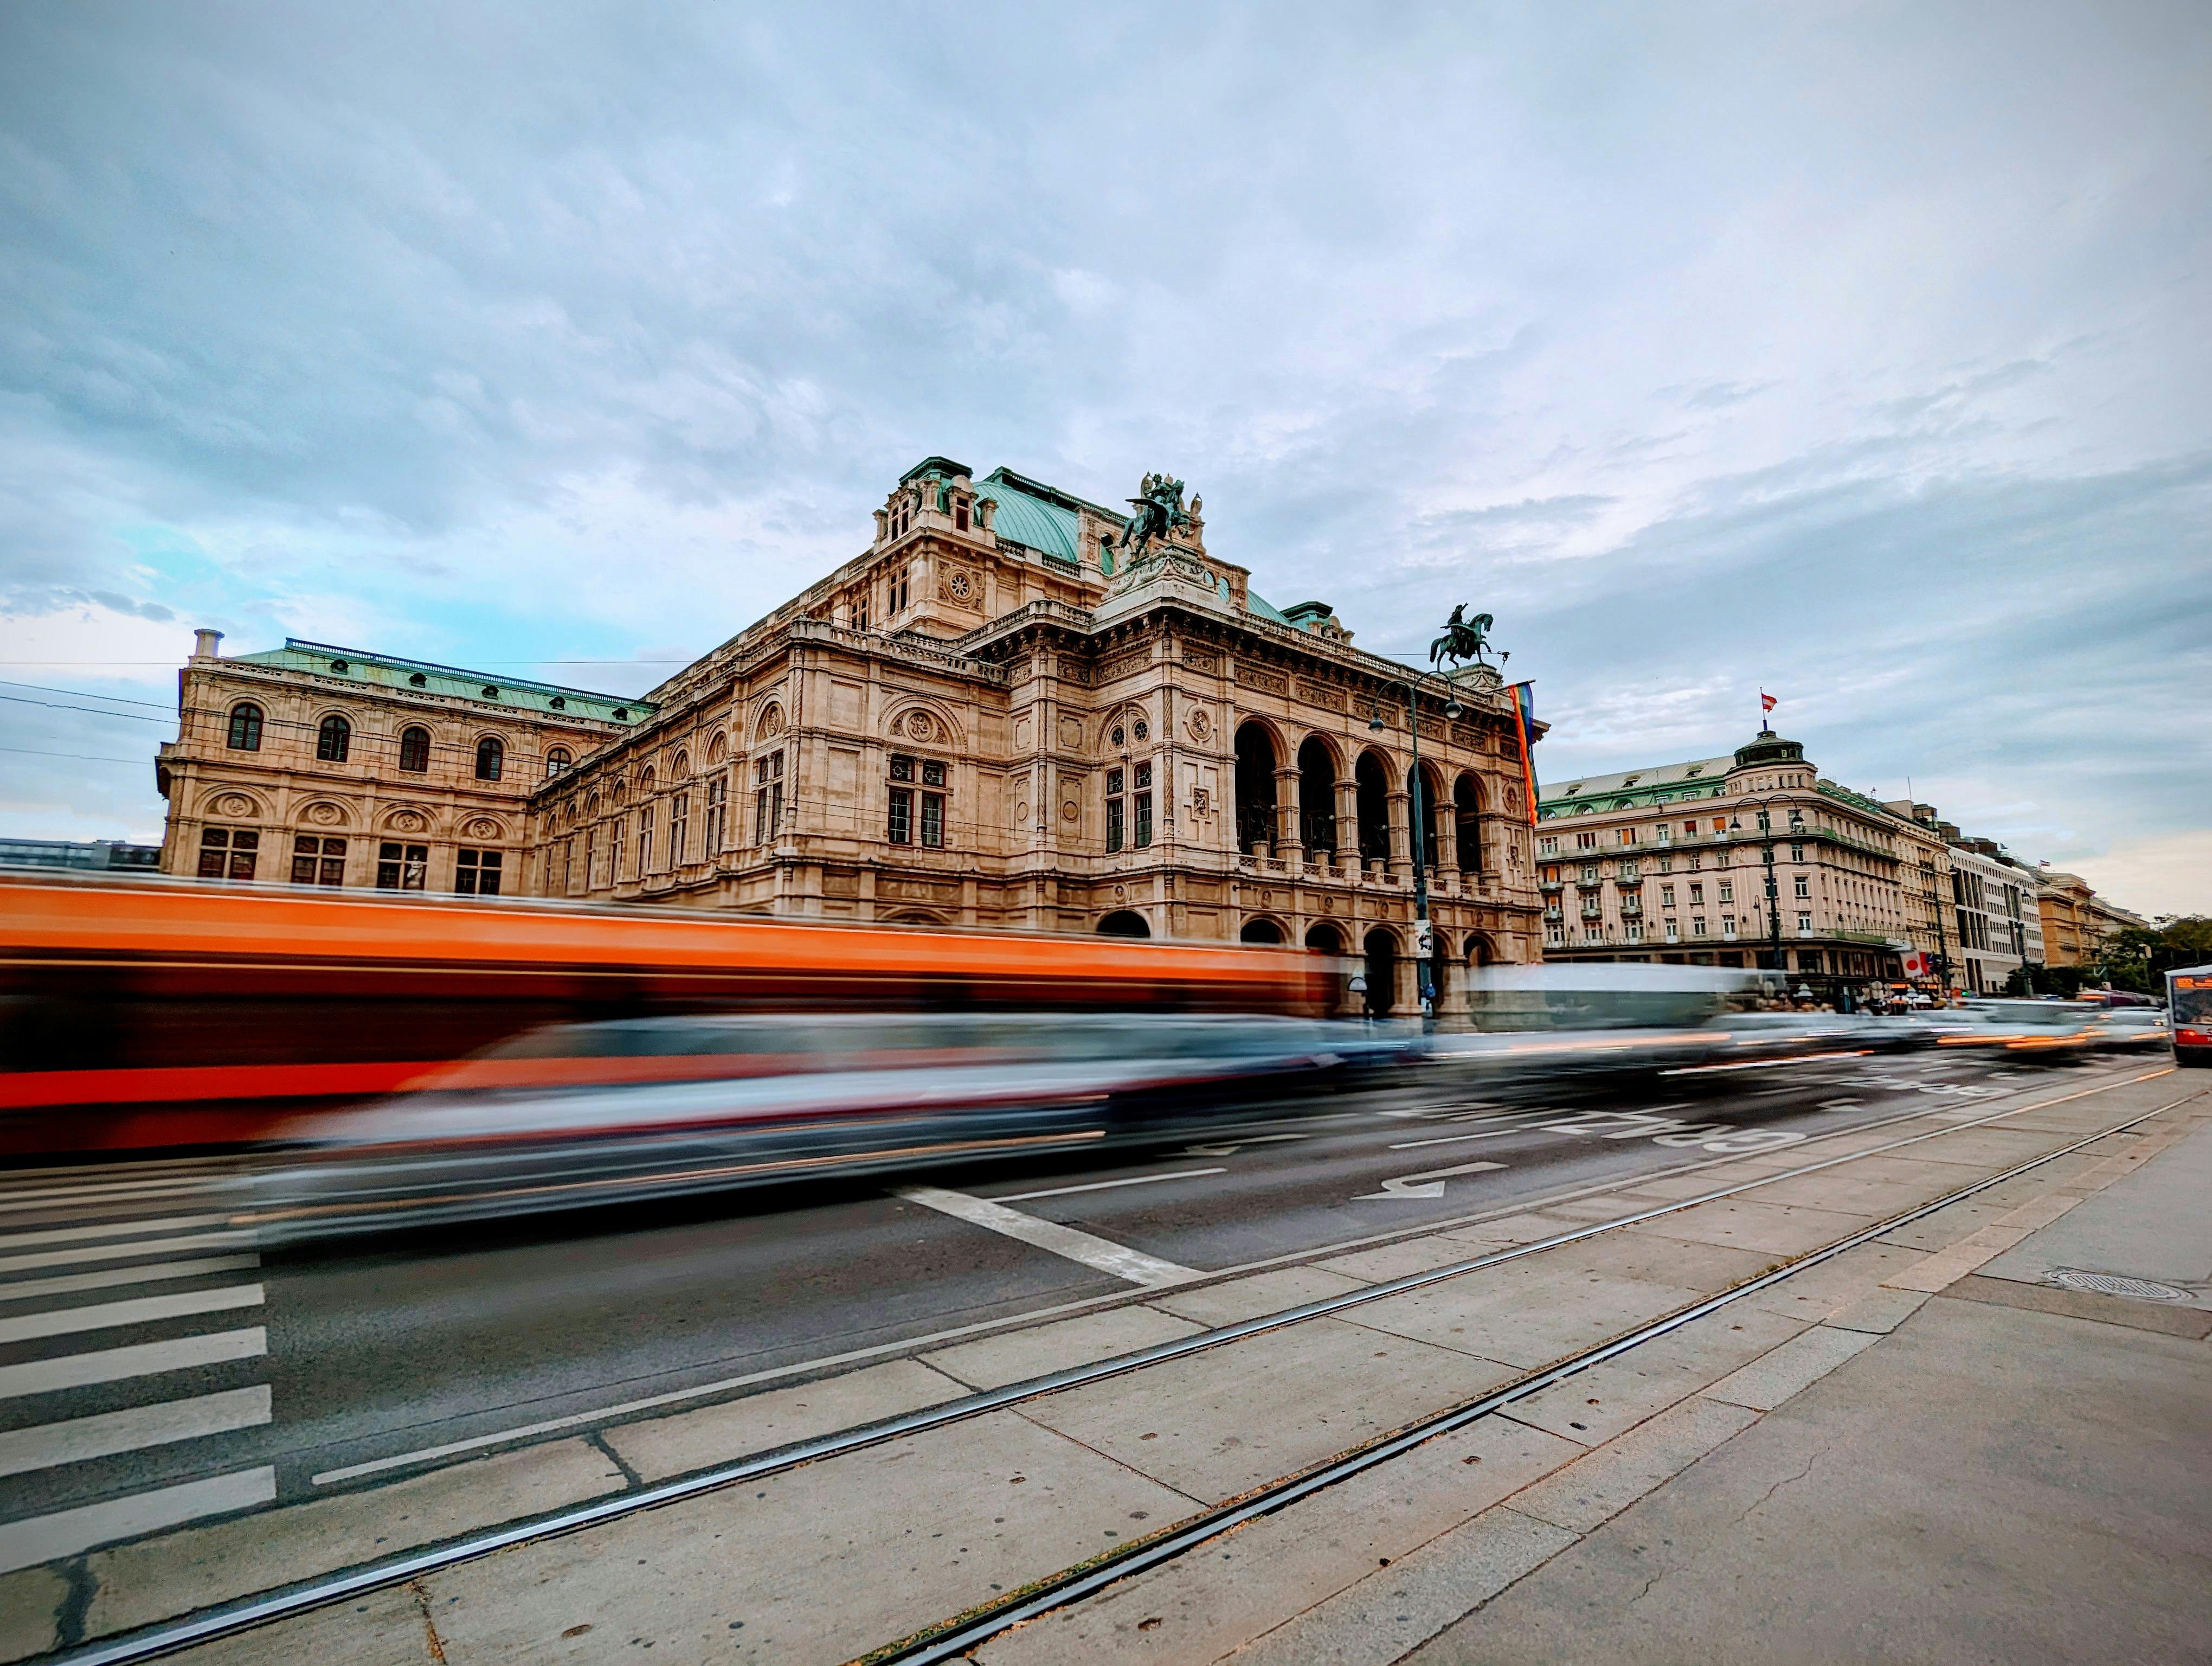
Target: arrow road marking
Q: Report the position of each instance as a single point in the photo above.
(1430, 1184)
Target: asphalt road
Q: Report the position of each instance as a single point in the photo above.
(142, 1343)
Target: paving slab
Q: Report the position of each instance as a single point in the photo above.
(1197, 1608)
(29, 1601)
(675, 1445)
(1985, 1485)
(1742, 1223)
(1218, 1423)
(1402, 1260)
(1871, 1186)
(1232, 1302)
(2194, 1322)
(1514, 1229)
(2151, 1225)
(1599, 1485)
(1991, 1147)
(1393, 1611)
(1791, 1369)
(1015, 1356)
(821, 1564)
(155, 1578)
(1675, 1262)
(1879, 1311)
(1607, 1400)
(385, 1628)
(1817, 1292)
(1525, 1314)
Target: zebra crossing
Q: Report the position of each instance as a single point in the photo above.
(127, 1320)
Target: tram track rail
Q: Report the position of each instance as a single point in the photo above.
(968, 1631)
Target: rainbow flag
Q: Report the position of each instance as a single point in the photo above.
(1524, 717)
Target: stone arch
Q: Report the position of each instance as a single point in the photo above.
(767, 722)
(484, 829)
(718, 749)
(1262, 929)
(1381, 947)
(680, 769)
(924, 723)
(332, 813)
(231, 804)
(414, 819)
(1318, 764)
(334, 731)
(1325, 937)
(1479, 950)
(916, 917)
(1466, 821)
(489, 759)
(1256, 753)
(1124, 922)
(1370, 775)
(1133, 723)
(1423, 817)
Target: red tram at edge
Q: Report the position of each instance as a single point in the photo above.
(153, 1015)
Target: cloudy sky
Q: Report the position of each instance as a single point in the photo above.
(1857, 351)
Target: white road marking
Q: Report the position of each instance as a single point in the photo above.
(140, 1309)
(45, 1538)
(117, 1251)
(50, 1445)
(108, 1278)
(75, 1370)
(1428, 1184)
(1228, 1146)
(1455, 1139)
(1840, 1104)
(130, 1191)
(1106, 1185)
(1119, 1260)
(112, 1229)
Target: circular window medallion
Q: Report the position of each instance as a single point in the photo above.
(1119, 739)
(1143, 731)
(1120, 893)
(408, 821)
(481, 829)
(958, 586)
(1266, 899)
(1199, 723)
(1068, 812)
(919, 726)
(323, 815)
(1022, 813)
(235, 804)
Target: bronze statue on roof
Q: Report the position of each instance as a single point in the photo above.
(1159, 512)
(1464, 639)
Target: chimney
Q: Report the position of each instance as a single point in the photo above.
(204, 643)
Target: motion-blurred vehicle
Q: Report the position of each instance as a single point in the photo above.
(1626, 1017)
(576, 1115)
(2131, 1028)
(2046, 1030)
(2188, 1009)
(150, 1014)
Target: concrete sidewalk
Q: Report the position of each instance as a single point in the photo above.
(2019, 1471)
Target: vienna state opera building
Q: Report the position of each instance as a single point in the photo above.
(1006, 713)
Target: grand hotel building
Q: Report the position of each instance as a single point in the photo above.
(990, 717)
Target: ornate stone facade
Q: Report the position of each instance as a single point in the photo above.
(997, 715)
(332, 766)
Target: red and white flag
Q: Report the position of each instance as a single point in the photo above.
(1766, 702)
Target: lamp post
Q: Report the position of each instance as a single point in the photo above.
(1766, 855)
(1424, 935)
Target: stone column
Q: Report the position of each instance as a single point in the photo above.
(1347, 822)
(1401, 818)
(1289, 837)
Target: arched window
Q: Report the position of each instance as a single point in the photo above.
(1317, 795)
(1374, 800)
(491, 758)
(333, 740)
(246, 727)
(1466, 823)
(1260, 931)
(557, 762)
(415, 748)
(1124, 922)
(1256, 787)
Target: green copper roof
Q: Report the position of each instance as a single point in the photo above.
(1634, 789)
(1024, 517)
(383, 670)
(1257, 602)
